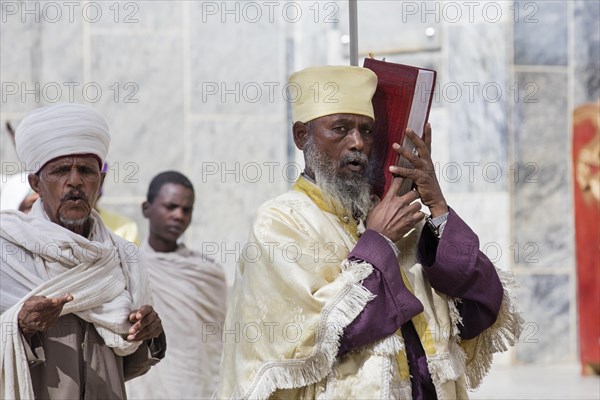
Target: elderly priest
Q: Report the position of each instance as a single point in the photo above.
(356, 298)
(76, 319)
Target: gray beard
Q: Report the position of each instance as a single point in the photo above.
(351, 190)
(73, 222)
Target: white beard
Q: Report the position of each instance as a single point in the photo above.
(352, 190)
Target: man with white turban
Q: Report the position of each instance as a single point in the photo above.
(75, 313)
(350, 297)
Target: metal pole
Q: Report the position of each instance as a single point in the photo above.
(353, 32)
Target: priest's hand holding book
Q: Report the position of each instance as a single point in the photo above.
(422, 173)
(395, 215)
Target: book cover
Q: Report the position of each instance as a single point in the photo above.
(402, 100)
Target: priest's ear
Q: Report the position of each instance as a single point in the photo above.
(300, 131)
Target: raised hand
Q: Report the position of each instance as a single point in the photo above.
(423, 174)
(146, 324)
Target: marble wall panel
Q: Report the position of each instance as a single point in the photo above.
(142, 98)
(586, 51)
(487, 215)
(320, 37)
(542, 216)
(398, 26)
(61, 71)
(46, 61)
(476, 93)
(544, 303)
(540, 32)
(135, 17)
(19, 58)
(237, 66)
(240, 163)
(440, 146)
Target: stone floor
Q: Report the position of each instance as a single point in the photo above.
(538, 382)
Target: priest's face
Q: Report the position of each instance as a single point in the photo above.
(337, 150)
(68, 187)
(346, 140)
(169, 214)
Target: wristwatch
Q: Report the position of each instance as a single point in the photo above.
(437, 224)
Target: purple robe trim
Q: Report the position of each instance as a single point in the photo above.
(393, 305)
(454, 266)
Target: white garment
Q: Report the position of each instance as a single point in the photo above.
(14, 191)
(189, 292)
(291, 304)
(42, 258)
(60, 130)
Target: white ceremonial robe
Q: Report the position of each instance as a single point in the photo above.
(291, 303)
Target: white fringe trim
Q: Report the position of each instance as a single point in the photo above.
(336, 315)
(401, 391)
(393, 387)
(388, 346)
(448, 366)
(455, 317)
(504, 333)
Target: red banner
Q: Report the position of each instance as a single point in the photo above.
(586, 171)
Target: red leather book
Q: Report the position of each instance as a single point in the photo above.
(402, 100)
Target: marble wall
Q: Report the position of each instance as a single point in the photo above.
(197, 86)
(192, 86)
(563, 66)
(510, 74)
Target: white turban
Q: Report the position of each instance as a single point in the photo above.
(60, 130)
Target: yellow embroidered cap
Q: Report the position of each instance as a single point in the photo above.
(318, 91)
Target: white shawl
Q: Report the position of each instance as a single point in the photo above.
(41, 258)
(189, 292)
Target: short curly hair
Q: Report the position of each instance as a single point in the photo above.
(166, 177)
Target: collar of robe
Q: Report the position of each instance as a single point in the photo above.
(325, 203)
